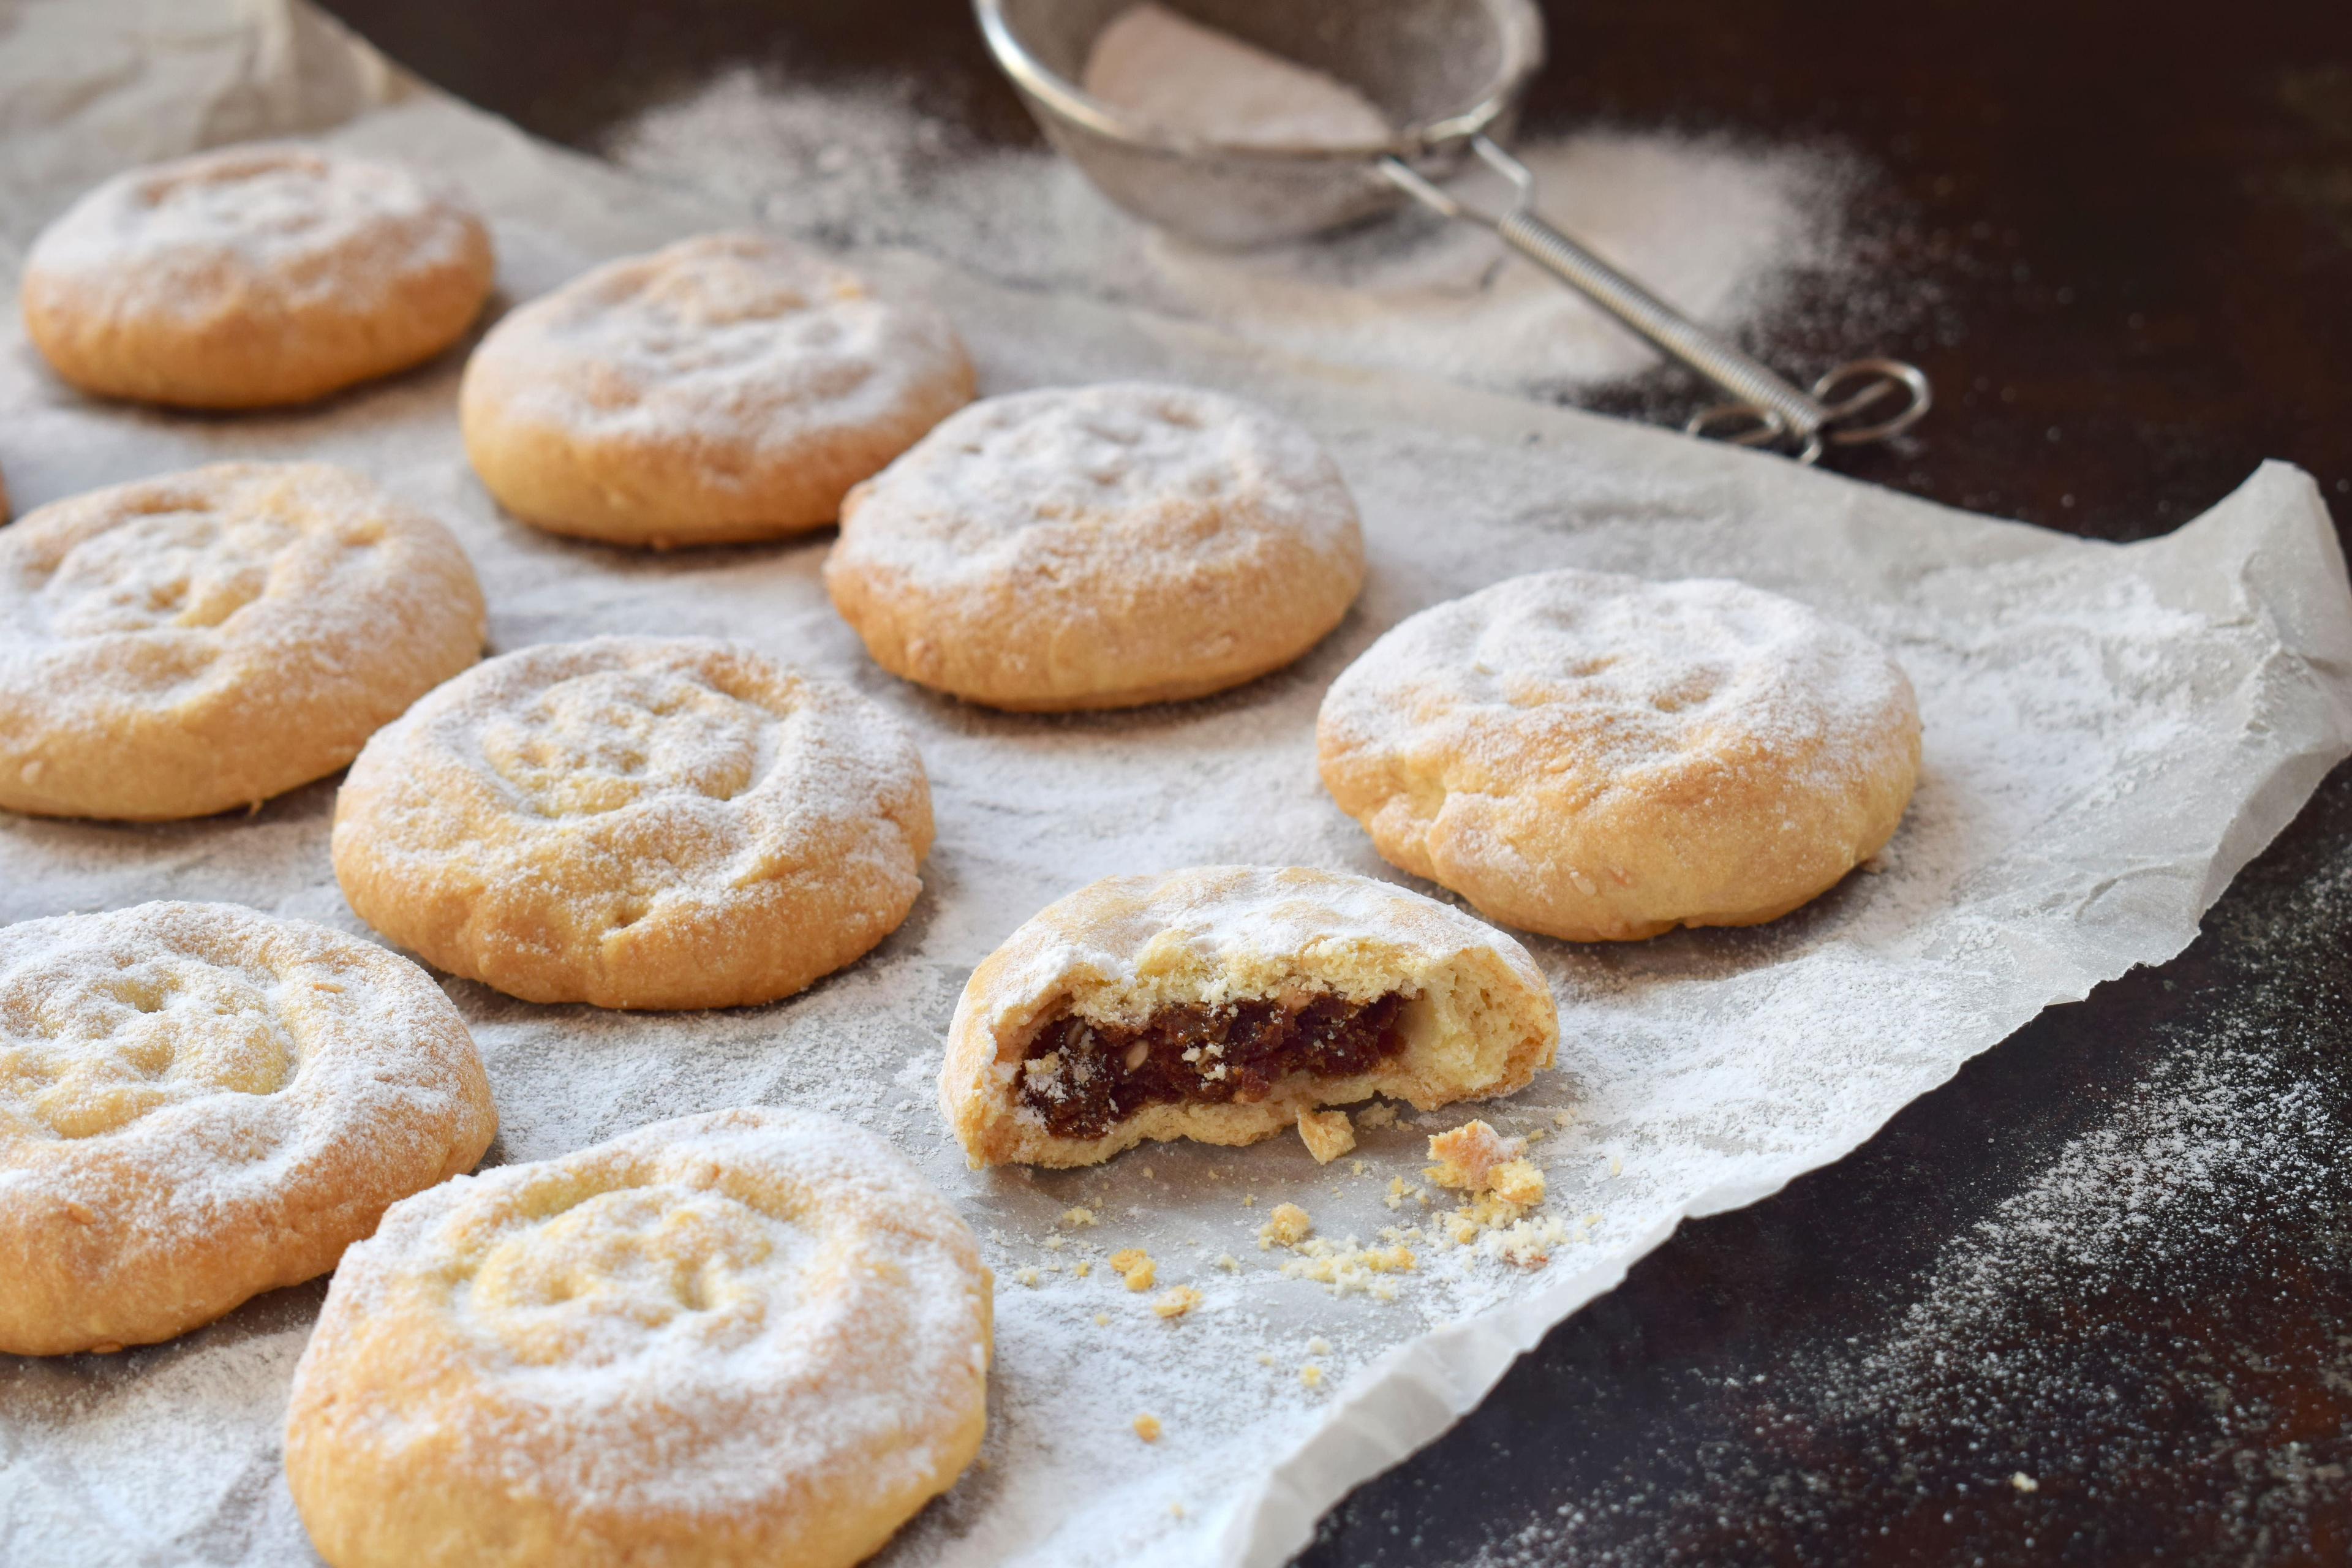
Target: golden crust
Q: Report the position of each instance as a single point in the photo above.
(199, 1103)
(251, 275)
(752, 1337)
(725, 388)
(208, 639)
(1600, 758)
(635, 822)
(1481, 1020)
(1098, 547)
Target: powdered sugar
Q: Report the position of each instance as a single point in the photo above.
(300, 227)
(1720, 228)
(1173, 75)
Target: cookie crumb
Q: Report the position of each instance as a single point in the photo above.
(1286, 1227)
(1347, 1266)
(1249, 1200)
(1311, 1376)
(1468, 1156)
(1563, 1118)
(1148, 1428)
(1327, 1134)
(1177, 1302)
(1082, 1270)
(1318, 1345)
(1078, 1216)
(2024, 1482)
(1102, 1320)
(1229, 1263)
(1028, 1276)
(1379, 1114)
(1135, 1266)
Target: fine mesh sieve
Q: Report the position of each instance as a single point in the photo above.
(1448, 74)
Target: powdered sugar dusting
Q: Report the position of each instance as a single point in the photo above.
(1173, 74)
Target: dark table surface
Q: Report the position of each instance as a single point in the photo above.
(2113, 1256)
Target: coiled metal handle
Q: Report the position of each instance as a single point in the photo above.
(1766, 411)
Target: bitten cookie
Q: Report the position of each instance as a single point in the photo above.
(1601, 758)
(1098, 547)
(199, 1103)
(260, 274)
(208, 639)
(635, 822)
(728, 387)
(1219, 1004)
(749, 1338)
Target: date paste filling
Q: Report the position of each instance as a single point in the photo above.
(1084, 1077)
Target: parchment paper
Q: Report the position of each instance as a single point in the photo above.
(2111, 733)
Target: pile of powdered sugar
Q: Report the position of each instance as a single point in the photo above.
(1720, 229)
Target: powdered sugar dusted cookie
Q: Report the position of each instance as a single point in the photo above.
(744, 1338)
(1223, 1004)
(252, 275)
(728, 387)
(637, 822)
(211, 638)
(199, 1103)
(1601, 758)
(1098, 547)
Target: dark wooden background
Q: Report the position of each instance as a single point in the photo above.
(2122, 235)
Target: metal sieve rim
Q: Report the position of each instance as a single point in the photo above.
(1518, 27)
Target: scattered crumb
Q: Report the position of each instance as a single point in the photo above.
(1265, 1358)
(1149, 1174)
(1135, 1266)
(2024, 1482)
(1176, 1510)
(1079, 1216)
(1468, 1155)
(1517, 1182)
(1053, 1244)
(1312, 1376)
(1177, 1302)
(1286, 1227)
(1399, 1193)
(1229, 1263)
(1563, 1118)
(1027, 1276)
(1377, 1115)
(1347, 1268)
(1616, 1166)
(1082, 1270)
(1318, 1345)
(1358, 1167)
(1327, 1134)
(1249, 1200)
(1102, 1320)
(1148, 1428)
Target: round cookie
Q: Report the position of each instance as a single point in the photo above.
(260, 274)
(1601, 758)
(208, 639)
(1224, 1003)
(637, 822)
(198, 1103)
(1098, 547)
(725, 388)
(747, 1338)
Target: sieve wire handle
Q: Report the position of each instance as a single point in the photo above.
(1767, 411)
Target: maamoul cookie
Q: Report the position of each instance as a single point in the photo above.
(211, 638)
(1219, 1004)
(744, 1339)
(637, 822)
(1098, 547)
(198, 1103)
(728, 387)
(253, 275)
(1601, 758)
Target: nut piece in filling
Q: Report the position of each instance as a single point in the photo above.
(1218, 1003)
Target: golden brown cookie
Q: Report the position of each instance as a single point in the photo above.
(208, 639)
(637, 822)
(729, 387)
(1601, 758)
(198, 1103)
(1098, 547)
(253, 275)
(749, 1338)
(1220, 1002)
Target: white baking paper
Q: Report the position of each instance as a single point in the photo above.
(2111, 733)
